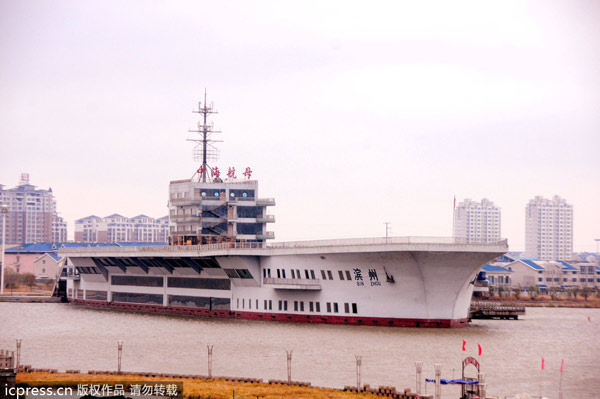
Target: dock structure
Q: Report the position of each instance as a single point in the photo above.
(495, 310)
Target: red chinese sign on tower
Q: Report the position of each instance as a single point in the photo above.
(215, 172)
(248, 172)
(231, 173)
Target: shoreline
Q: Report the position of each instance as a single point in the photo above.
(217, 387)
(543, 302)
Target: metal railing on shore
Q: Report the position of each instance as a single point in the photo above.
(450, 241)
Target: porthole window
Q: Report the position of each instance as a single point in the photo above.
(245, 195)
(203, 194)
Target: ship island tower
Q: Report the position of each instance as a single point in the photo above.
(215, 206)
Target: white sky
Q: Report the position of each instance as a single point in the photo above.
(351, 114)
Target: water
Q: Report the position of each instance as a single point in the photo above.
(63, 336)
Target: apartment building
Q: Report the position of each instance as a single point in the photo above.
(477, 221)
(119, 228)
(549, 228)
(31, 214)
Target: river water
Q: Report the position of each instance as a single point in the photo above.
(63, 336)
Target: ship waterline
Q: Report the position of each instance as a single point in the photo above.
(401, 281)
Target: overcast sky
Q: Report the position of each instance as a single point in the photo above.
(351, 114)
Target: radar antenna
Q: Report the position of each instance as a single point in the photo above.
(204, 150)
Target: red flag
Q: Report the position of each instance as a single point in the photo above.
(479, 347)
(464, 342)
(562, 365)
(542, 363)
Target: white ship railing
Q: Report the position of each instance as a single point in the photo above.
(453, 241)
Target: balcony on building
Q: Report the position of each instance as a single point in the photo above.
(186, 201)
(185, 218)
(267, 235)
(293, 283)
(266, 219)
(265, 201)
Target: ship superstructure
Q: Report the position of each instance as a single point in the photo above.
(215, 206)
(220, 265)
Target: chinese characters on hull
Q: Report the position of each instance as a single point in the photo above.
(373, 278)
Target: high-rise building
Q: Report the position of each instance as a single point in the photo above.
(549, 228)
(119, 228)
(477, 221)
(32, 215)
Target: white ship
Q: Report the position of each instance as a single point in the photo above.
(219, 264)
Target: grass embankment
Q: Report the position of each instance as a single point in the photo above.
(593, 301)
(40, 290)
(197, 387)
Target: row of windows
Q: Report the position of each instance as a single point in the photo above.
(158, 262)
(96, 295)
(249, 228)
(202, 283)
(131, 297)
(238, 273)
(574, 280)
(501, 279)
(87, 270)
(308, 274)
(139, 281)
(173, 282)
(299, 306)
(201, 302)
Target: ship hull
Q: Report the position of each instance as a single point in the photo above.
(381, 283)
(277, 317)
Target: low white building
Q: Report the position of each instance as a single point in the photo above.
(47, 266)
(557, 273)
(498, 276)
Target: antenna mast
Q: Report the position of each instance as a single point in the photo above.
(204, 150)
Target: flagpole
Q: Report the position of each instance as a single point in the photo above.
(560, 395)
(541, 374)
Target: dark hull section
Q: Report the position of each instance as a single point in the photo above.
(284, 317)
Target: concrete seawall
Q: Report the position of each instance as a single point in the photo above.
(30, 298)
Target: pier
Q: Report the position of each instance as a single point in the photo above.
(495, 310)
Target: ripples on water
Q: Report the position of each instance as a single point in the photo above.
(67, 337)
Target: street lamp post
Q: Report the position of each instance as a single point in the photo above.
(4, 212)
(120, 353)
(19, 352)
